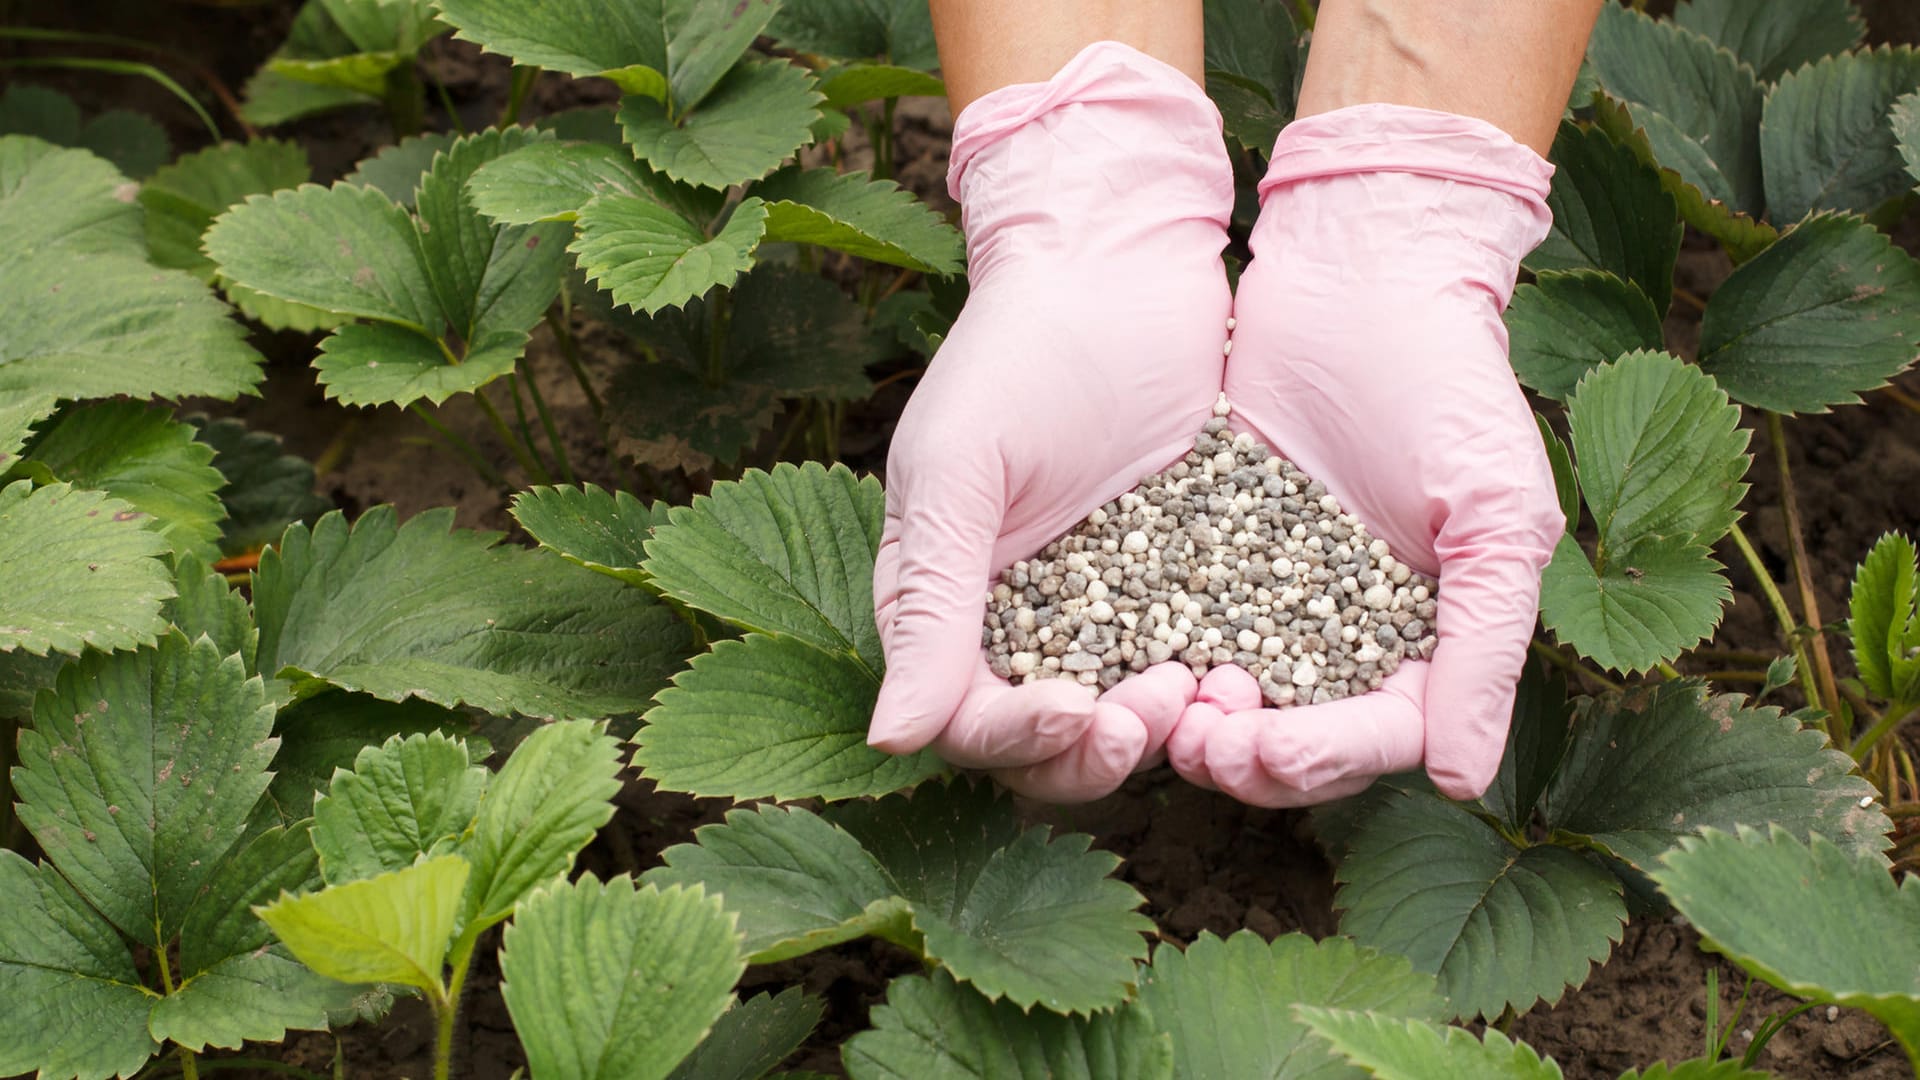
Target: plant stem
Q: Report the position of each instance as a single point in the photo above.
(337, 448)
(461, 954)
(461, 447)
(1789, 629)
(1667, 670)
(1560, 660)
(524, 76)
(404, 100)
(1729, 676)
(535, 472)
(1803, 578)
(1305, 10)
(446, 104)
(188, 1063)
(1689, 299)
(1889, 721)
(546, 422)
(520, 416)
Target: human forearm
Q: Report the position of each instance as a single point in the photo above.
(1508, 62)
(988, 44)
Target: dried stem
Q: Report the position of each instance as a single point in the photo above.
(1799, 564)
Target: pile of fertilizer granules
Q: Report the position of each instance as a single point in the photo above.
(1232, 556)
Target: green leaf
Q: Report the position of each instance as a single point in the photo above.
(626, 43)
(854, 84)
(141, 455)
(613, 981)
(266, 490)
(551, 181)
(450, 296)
(546, 803)
(764, 717)
(1229, 1004)
(1905, 120)
(1700, 106)
(183, 198)
(1653, 764)
(1652, 601)
(394, 928)
(17, 418)
(1790, 912)
(1885, 619)
(1829, 311)
(76, 569)
(787, 553)
(415, 610)
(591, 527)
(1610, 212)
(753, 1037)
(131, 141)
(270, 99)
(1247, 112)
(352, 44)
(78, 1007)
(207, 605)
(64, 200)
(1568, 322)
(1566, 481)
(935, 1027)
(897, 31)
(396, 171)
(1775, 37)
(1537, 742)
(410, 797)
(139, 772)
(326, 733)
(757, 116)
(1696, 1069)
(1743, 235)
(710, 37)
(874, 219)
(1393, 1048)
(1500, 925)
(649, 257)
(1825, 143)
(1254, 62)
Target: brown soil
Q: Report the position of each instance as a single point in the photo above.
(1203, 862)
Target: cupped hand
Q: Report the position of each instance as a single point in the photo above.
(1370, 351)
(1088, 355)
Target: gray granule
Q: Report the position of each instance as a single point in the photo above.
(1231, 556)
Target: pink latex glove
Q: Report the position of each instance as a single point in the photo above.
(1088, 356)
(1370, 351)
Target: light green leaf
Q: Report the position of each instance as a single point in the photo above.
(1568, 322)
(710, 36)
(1706, 102)
(1905, 120)
(626, 43)
(546, 803)
(142, 456)
(69, 200)
(139, 772)
(414, 610)
(935, 1027)
(77, 1005)
(1885, 619)
(551, 181)
(17, 418)
(874, 219)
(610, 981)
(396, 171)
(1610, 212)
(345, 249)
(207, 605)
(379, 364)
(1825, 143)
(787, 553)
(897, 31)
(77, 569)
(266, 489)
(270, 99)
(753, 1037)
(649, 257)
(1828, 312)
(182, 199)
(591, 527)
(1501, 926)
(1229, 1004)
(394, 928)
(848, 86)
(1651, 602)
(409, 797)
(1790, 911)
(755, 118)
(1392, 1048)
(764, 717)
(352, 44)
(1777, 36)
(1649, 766)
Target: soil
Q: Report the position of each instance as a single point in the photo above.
(1204, 862)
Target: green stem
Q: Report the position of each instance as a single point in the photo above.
(524, 76)
(533, 469)
(446, 105)
(1667, 670)
(1799, 564)
(188, 1062)
(546, 422)
(1560, 660)
(1896, 713)
(881, 135)
(520, 418)
(461, 954)
(461, 447)
(1304, 8)
(405, 100)
(1789, 629)
(123, 67)
(444, 1010)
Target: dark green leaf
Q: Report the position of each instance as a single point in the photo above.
(182, 199)
(1777, 36)
(266, 489)
(591, 527)
(207, 605)
(1824, 137)
(327, 732)
(141, 455)
(1651, 602)
(753, 1037)
(396, 171)
(1254, 44)
(1610, 212)
(1743, 234)
(1568, 322)
(848, 86)
(896, 31)
(874, 219)
(1537, 744)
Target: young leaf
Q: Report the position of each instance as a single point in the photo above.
(753, 1037)
(207, 605)
(80, 569)
(874, 219)
(1790, 913)
(1565, 323)
(1885, 619)
(140, 454)
(551, 181)
(183, 198)
(896, 31)
(846, 87)
(1825, 143)
(352, 44)
(757, 116)
(1778, 36)
(607, 981)
(416, 610)
(649, 257)
(545, 805)
(1501, 926)
(625, 43)
(787, 553)
(410, 797)
(394, 928)
(1654, 764)
(1392, 1048)
(323, 734)
(1610, 212)
(1651, 602)
(1699, 105)
(1828, 312)
(933, 1026)
(266, 489)
(270, 99)
(1229, 1004)
(591, 527)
